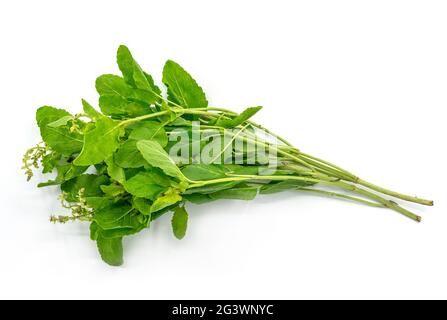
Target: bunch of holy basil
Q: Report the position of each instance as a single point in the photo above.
(114, 169)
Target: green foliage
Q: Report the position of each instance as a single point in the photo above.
(179, 222)
(115, 171)
(90, 183)
(149, 130)
(142, 185)
(128, 156)
(135, 76)
(100, 142)
(60, 139)
(157, 157)
(182, 88)
(169, 198)
(241, 192)
(198, 172)
(280, 186)
(111, 250)
(91, 112)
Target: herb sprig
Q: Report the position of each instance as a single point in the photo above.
(133, 145)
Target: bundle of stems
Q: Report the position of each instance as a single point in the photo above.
(137, 177)
(307, 168)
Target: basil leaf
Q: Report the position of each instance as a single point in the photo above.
(108, 217)
(90, 111)
(113, 191)
(128, 156)
(111, 250)
(197, 172)
(114, 171)
(91, 184)
(64, 173)
(119, 99)
(198, 198)
(182, 88)
(60, 139)
(179, 222)
(168, 199)
(149, 130)
(157, 157)
(239, 193)
(142, 205)
(142, 185)
(134, 75)
(99, 142)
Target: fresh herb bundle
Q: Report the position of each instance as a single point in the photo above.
(145, 155)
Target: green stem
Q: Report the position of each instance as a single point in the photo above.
(387, 203)
(327, 167)
(370, 185)
(395, 194)
(347, 175)
(141, 118)
(329, 164)
(229, 112)
(327, 170)
(202, 183)
(338, 195)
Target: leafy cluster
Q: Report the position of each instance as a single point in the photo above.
(114, 169)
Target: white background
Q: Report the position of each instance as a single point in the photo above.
(361, 83)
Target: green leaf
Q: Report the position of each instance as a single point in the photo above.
(94, 231)
(198, 198)
(114, 171)
(65, 172)
(111, 250)
(98, 203)
(168, 199)
(197, 172)
(119, 99)
(60, 122)
(108, 217)
(162, 212)
(157, 157)
(182, 88)
(275, 187)
(127, 64)
(128, 156)
(239, 193)
(91, 184)
(134, 75)
(120, 220)
(142, 205)
(149, 130)
(50, 161)
(241, 118)
(132, 172)
(60, 139)
(133, 226)
(90, 111)
(142, 185)
(113, 191)
(99, 142)
(179, 222)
